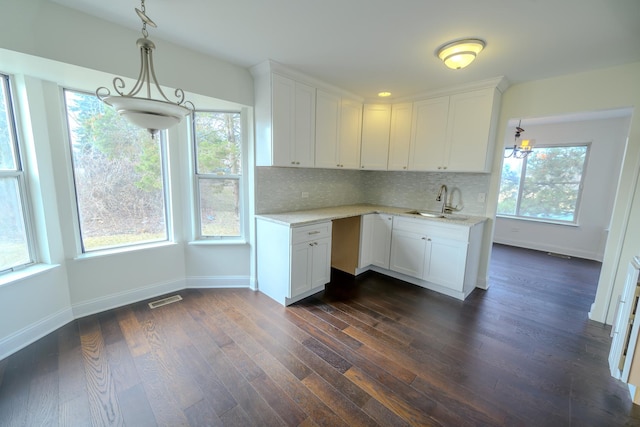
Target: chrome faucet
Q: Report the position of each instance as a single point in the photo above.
(443, 189)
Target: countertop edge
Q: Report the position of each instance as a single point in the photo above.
(314, 216)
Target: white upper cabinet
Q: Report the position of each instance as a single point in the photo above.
(303, 122)
(400, 136)
(376, 123)
(327, 129)
(454, 133)
(285, 121)
(350, 133)
(429, 134)
(471, 130)
(338, 131)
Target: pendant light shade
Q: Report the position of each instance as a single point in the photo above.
(460, 53)
(146, 112)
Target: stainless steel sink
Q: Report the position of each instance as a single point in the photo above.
(428, 214)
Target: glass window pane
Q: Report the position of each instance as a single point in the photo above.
(118, 176)
(218, 143)
(509, 186)
(14, 244)
(7, 144)
(219, 207)
(552, 183)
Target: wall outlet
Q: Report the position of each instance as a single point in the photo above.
(482, 197)
(305, 195)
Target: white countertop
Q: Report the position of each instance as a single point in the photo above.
(307, 217)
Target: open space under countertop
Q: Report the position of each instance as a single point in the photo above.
(312, 216)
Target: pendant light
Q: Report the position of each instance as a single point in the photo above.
(524, 148)
(145, 111)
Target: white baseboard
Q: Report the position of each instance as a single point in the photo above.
(120, 299)
(537, 246)
(482, 283)
(25, 336)
(219, 282)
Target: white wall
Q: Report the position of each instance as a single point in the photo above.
(608, 139)
(610, 88)
(38, 42)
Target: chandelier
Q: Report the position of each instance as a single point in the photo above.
(145, 111)
(522, 150)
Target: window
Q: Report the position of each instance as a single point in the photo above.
(218, 173)
(119, 176)
(16, 249)
(545, 185)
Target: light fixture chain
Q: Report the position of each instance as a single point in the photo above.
(145, 33)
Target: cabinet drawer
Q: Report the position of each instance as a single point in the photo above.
(310, 232)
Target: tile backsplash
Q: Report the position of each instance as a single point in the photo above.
(419, 189)
(281, 189)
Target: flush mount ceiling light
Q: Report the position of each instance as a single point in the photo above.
(384, 94)
(146, 112)
(460, 53)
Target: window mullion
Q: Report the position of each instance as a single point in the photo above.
(523, 174)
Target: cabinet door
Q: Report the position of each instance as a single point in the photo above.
(376, 122)
(350, 134)
(327, 129)
(320, 263)
(381, 241)
(293, 120)
(445, 263)
(301, 267)
(407, 253)
(470, 119)
(429, 134)
(365, 255)
(283, 100)
(375, 240)
(304, 129)
(400, 136)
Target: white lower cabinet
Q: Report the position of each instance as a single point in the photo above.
(408, 251)
(293, 262)
(446, 262)
(375, 240)
(442, 256)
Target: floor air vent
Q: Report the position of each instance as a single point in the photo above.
(558, 255)
(165, 301)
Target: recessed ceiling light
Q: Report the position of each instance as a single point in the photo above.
(384, 94)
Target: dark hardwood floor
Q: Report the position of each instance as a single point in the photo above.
(369, 351)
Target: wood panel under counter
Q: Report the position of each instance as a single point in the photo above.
(345, 244)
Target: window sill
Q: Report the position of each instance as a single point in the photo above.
(543, 221)
(118, 251)
(218, 242)
(26, 273)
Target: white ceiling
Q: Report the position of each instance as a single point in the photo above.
(367, 46)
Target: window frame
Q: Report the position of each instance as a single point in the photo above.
(576, 215)
(19, 174)
(198, 236)
(166, 191)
